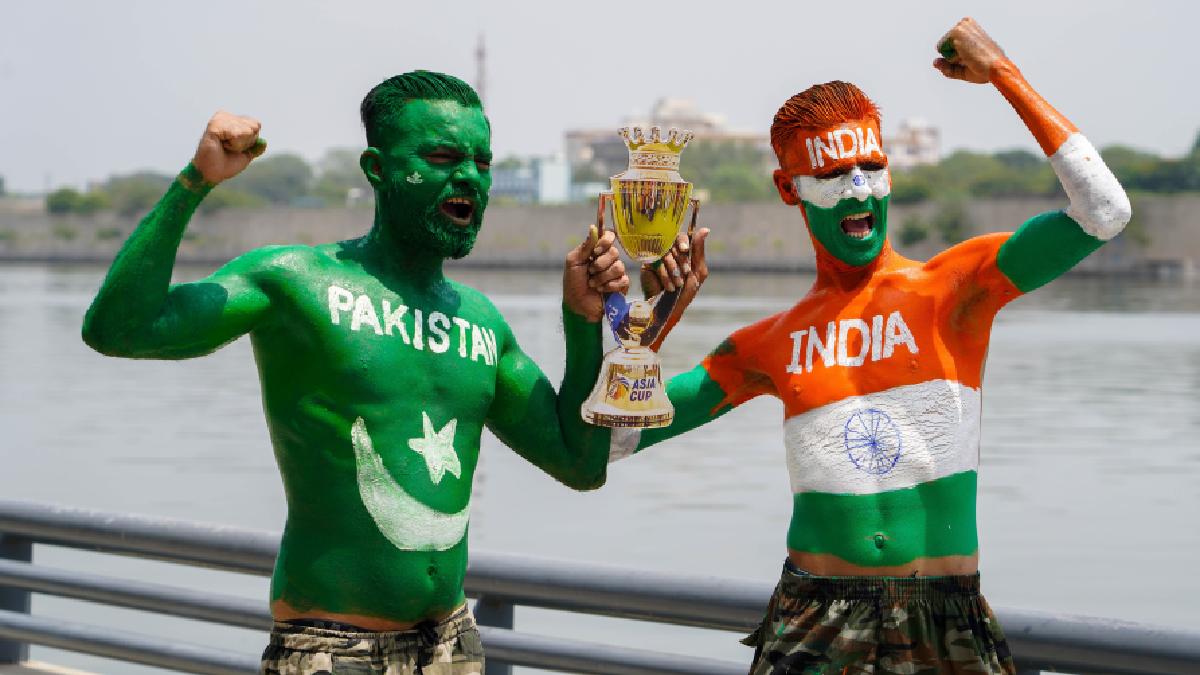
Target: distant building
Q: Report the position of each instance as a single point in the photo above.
(914, 143)
(595, 155)
(531, 180)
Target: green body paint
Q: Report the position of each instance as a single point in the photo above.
(890, 528)
(826, 227)
(1045, 247)
(705, 402)
(378, 373)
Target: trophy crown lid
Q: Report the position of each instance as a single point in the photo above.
(636, 139)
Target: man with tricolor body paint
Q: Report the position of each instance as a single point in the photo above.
(379, 374)
(879, 369)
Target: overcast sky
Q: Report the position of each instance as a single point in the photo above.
(90, 88)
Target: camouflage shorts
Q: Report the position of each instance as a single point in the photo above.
(878, 625)
(450, 647)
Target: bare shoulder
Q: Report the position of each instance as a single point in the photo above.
(279, 266)
(968, 255)
(475, 303)
(274, 256)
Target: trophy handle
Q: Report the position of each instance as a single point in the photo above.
(601, 208)
(695, 214)
(664, 302)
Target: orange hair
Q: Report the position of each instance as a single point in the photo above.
(820, 107)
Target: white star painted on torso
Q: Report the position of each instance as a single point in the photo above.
(438, 449)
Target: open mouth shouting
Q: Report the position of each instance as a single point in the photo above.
(858, 225)
(460, 210)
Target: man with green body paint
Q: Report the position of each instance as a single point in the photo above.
(378, 375)
(879, 369)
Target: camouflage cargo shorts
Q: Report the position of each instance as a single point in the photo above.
(878, 625)
(450, 647)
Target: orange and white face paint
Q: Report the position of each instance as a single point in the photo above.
(836, 149)
(842, 162)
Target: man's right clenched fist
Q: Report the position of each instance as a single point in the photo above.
(229, 143)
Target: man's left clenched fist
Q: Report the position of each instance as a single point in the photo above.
(230, 142)
(968, 53)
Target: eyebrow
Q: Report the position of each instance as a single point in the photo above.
(841, 167)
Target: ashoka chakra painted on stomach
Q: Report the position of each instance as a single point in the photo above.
(873, 442)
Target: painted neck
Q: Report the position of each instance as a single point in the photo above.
(835, 273)
(398, 259)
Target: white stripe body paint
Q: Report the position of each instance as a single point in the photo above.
(888, 440)
(1098, 202)
(827, 192)
(622, 443)
(403, 520)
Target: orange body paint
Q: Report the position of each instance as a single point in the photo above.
(1048, 126)
(945, 310)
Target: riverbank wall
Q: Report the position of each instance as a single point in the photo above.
(1163, 241)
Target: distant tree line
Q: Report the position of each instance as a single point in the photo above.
(729, 171)
(733, 172)
(283, 179)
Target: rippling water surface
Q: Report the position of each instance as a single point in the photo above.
(1088, 483)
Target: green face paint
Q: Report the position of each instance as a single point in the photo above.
(434, 175)
(826, 227)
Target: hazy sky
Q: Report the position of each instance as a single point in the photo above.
(90, 88)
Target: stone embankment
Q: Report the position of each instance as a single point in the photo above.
(1163, 241)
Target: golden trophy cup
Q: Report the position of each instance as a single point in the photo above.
(649, 201)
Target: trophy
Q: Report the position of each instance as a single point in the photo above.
(649, 201)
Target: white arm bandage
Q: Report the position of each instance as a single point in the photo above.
(1098, 202)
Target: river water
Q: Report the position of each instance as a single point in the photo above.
(1088, 482)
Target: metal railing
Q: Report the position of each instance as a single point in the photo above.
(500, 582)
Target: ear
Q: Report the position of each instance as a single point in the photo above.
(372, 166)
(786, 188)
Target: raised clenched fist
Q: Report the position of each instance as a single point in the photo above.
(230, 142)
(968, 53)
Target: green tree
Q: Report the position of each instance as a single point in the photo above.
(951, 222)
(280, 179)
(911, 186)
(62, 201)
(914, 231)
(229, 197)
(2, 192)
(731, 171)
(90, 202)
(338, 174)
(134, 194)
(1134, 168)
(510, 162)
(1020, 159)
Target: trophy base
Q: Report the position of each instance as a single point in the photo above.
(629, 392)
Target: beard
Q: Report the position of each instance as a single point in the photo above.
(423, 227)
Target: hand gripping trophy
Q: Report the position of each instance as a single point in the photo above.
(649, 200)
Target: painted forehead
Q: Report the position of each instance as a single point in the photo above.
(422, 122)
(817, 153)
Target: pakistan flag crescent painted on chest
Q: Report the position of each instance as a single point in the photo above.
(402, 519)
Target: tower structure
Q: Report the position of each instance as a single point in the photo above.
(481, 70)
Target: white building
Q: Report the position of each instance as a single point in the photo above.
(914, 143)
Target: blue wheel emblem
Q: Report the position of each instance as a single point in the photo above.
(859, 180)
(872, 441)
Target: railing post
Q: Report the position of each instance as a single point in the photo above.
(14, 599)
(498, 614)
